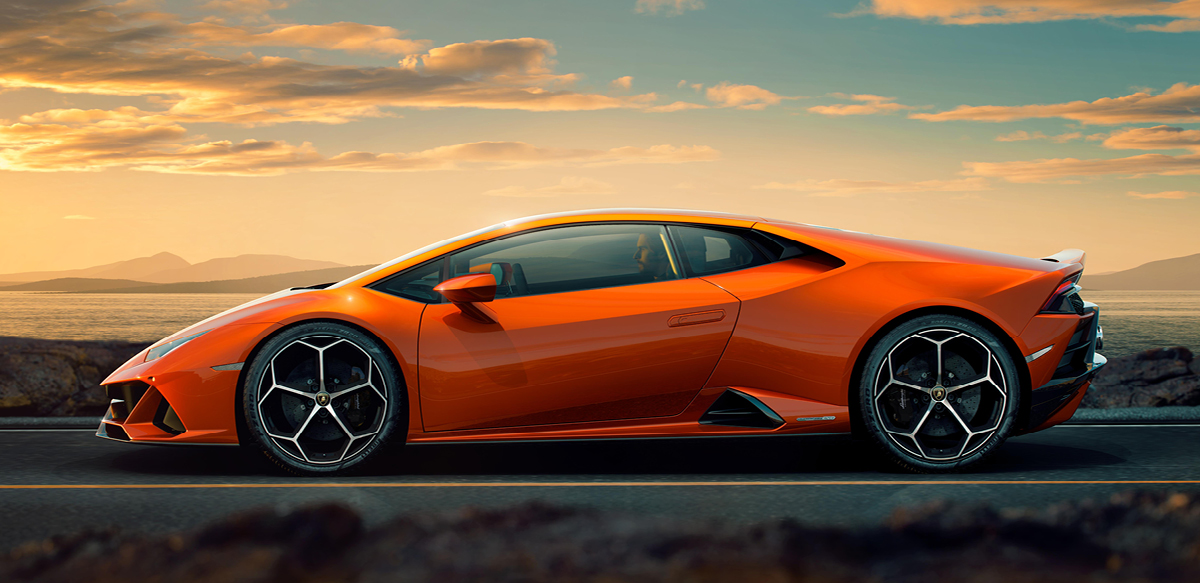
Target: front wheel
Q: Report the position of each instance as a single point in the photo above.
(321, 398)
(939, 393)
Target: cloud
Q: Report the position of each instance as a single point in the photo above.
(966, 12)
(726, 94)
(1170, 194)
(843, 187)
(869, 105)
(522, 56)
(79, 46)
(343, 36)
(1173, 26)
(91, 140)
(1060, 169)
(243, 6)
(1155, 138)
(79, 218)
(1179, 104)
(676, 106)
(668, 7)
(622, 82)
(569, 185)
(1021, 136)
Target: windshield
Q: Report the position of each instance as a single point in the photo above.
(416, 253)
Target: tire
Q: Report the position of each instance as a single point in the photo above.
(930, 420)
(314, 424)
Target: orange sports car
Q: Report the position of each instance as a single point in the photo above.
(633, 323)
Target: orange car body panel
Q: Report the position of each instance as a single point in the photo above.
(591, 355)
(634, 361)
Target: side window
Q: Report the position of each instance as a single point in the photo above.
(416, 283)
(572, 258)
(709, 251)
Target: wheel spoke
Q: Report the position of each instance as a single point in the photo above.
(334, 414)
(308, 396)
(973, 383)
(337, 394)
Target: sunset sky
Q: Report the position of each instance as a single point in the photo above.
(354, 131)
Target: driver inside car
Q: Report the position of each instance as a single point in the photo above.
(653, 261)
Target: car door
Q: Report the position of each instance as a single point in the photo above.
(592, 323)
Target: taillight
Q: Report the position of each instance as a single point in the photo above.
(1065, 299)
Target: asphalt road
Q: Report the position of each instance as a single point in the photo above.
(58, 481)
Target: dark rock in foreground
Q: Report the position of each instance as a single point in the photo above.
(55, 378)
(1154, 378)
(1138, 536)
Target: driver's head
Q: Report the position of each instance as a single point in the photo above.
(651, 257)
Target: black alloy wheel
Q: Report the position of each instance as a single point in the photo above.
(939, 393)
(321, 398)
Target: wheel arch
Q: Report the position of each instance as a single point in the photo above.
(1006, 340)
(240, 415)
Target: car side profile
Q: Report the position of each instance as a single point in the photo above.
(633, 323)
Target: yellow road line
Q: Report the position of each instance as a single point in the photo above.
(593, 484)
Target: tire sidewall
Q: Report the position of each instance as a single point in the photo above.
(394, 424)
(866, 393)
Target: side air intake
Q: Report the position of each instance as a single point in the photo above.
(737, 409)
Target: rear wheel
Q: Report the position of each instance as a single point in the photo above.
(321, 398)
(939, 393)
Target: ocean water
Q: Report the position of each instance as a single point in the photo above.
(1132, 320)
(1140, 320)
(131, 317)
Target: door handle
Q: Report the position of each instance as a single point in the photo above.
(696, 318)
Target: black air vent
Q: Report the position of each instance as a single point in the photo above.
(737, 409)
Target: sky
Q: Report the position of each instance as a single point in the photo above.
(355, 131)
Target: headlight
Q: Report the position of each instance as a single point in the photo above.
(160, 350)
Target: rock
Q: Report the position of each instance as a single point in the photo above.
(1149, 536)
(55, 378)
(1154, 378)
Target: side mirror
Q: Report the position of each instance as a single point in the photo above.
(464, 291)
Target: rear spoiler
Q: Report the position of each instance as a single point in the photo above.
(1067, 256)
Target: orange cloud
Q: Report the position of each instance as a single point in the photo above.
(871, 104)
(668, 7)
(843, 187)
(726, 94)
(342, 36)
(676, 106)
(1021, 136)
(82, 47)
(569, 185)
(74, 143)
(518, 56)
(622, 82)
(1059, 169)
(1179, 104)
(1155, 138)
(244, 6)
(1015, 11)
(1170, 194)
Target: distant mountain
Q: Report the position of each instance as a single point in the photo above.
(73, 284)
(135, 269)
(253, 285)
(168, 268)
(1180, 273)
(240, 267)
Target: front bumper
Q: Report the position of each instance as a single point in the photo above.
(187, 396)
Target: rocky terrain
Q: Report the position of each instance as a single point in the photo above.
(58, 378)
(1154, 378)
(1137, 536)
(62, 378)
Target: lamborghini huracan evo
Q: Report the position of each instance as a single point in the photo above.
(633, 323)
